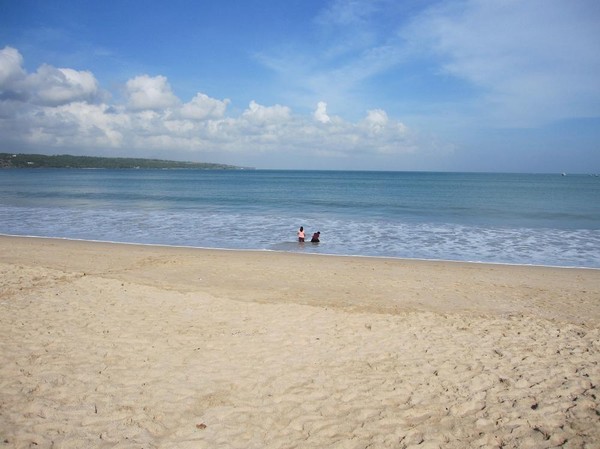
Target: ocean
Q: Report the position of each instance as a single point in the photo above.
(530, 219)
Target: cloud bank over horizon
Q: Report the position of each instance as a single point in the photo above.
(66, 110)
(341, 84)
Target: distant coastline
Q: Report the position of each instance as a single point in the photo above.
(17, 160)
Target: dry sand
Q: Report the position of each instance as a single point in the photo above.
(123, 346)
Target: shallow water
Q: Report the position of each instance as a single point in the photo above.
(503, 218)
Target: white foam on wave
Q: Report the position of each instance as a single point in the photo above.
(361, 236)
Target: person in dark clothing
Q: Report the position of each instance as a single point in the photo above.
(315, 237)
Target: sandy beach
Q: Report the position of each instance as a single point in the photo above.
(124, 346)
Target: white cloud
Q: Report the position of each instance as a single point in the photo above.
(259, 114)
(354, 41)
(320, 113)
(48, 85)
(55, 113)
(11, 68)
(203, 107)
(78, 124)
(51, 86)
(533, 61)
(146, 92)
(376, 120)
(500, 63)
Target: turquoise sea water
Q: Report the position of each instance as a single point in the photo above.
(505, 218)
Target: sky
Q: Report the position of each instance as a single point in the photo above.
(462, 85)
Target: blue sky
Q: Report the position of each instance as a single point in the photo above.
(473, 85)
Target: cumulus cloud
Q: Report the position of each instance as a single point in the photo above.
(147, 92)
(376, 120)
(320, 113)
(49, 85)
(52, 86)
(60, 110)
(81, 125)
(259, 114)
(11, 68)
(203, 107)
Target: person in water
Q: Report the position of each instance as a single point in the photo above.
(315, 237)
(301, 234)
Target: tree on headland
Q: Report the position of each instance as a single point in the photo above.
(11, 160)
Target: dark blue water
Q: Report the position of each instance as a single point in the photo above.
(505, 218)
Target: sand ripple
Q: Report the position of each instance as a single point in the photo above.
(95, 362)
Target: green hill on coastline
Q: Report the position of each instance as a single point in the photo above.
(11, 160)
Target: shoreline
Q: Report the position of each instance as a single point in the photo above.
(408, 259)
(383, 285)
(120, 345)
